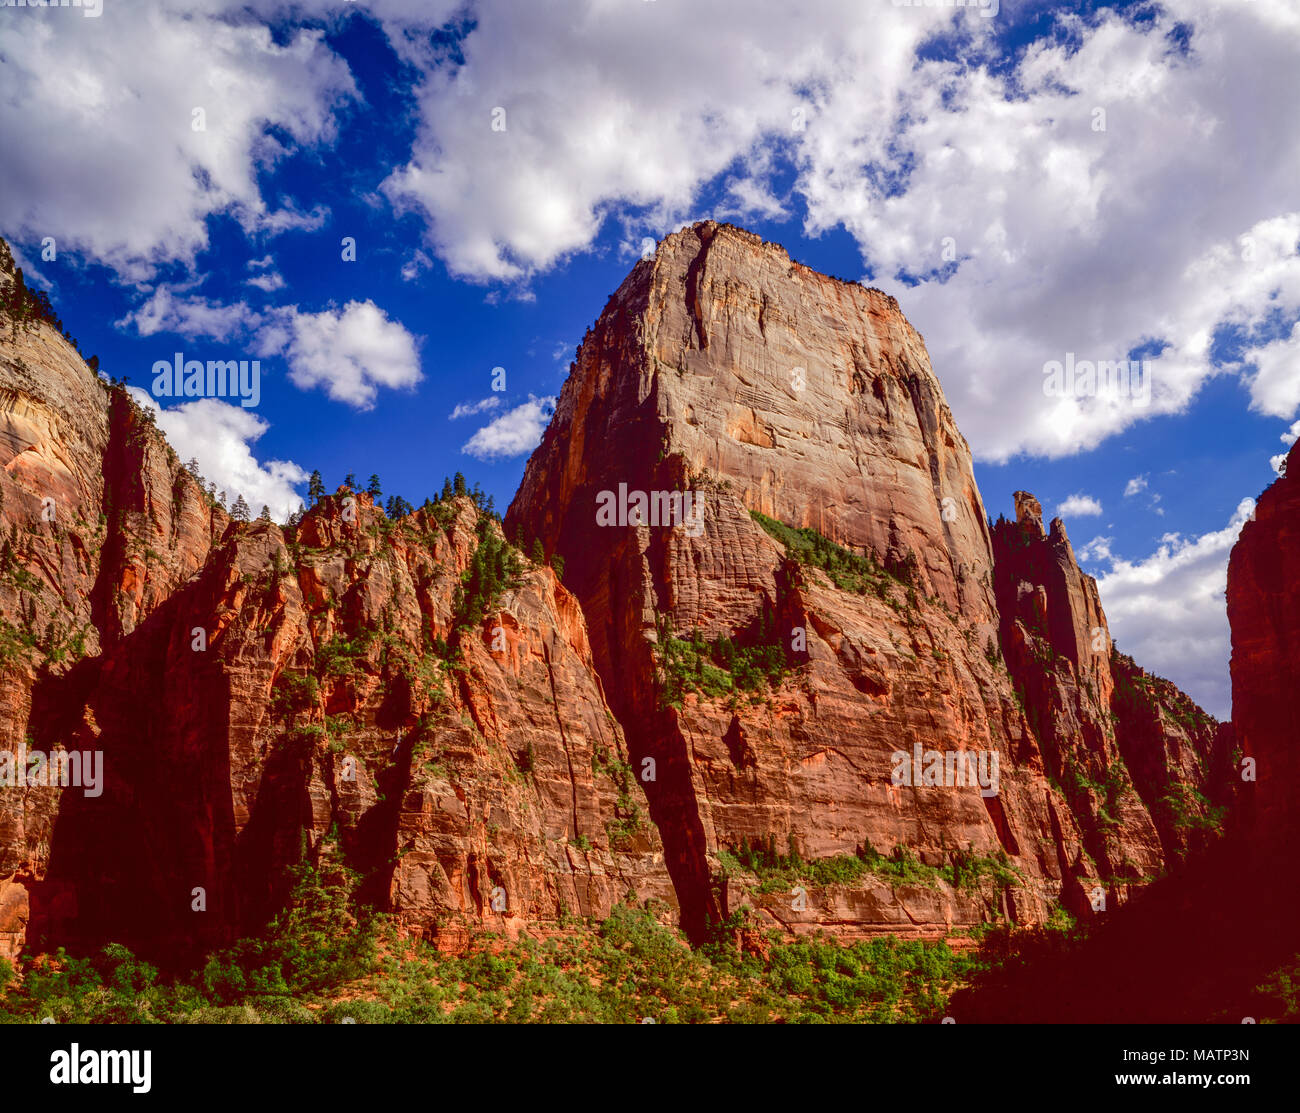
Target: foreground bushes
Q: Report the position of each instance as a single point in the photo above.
(321, 962)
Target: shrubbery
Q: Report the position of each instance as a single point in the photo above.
(848, 571)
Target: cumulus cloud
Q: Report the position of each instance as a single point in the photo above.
(610, 106)
(1168, 611)
(513, 433)
(1135, 486)
(77, 93)
(1048, 178)
(349, 353)
(220, 436)
(465, 409)
(164, 311)
(1096, 549)
(1078, 506)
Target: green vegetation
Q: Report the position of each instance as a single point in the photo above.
(1188, 809)
(848, 571)
(780, 872)
(628, 822)
(1277, 999)
(1140, 695)
(494, 567)
(1076, 786)
(319, 963)
(719, 667)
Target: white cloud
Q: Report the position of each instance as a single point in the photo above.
(1066, 241)
(1096, 549)
(1168, 611)
(267, 283)
(416, 265)
(96, 121)
(1135, 485)
(350, 353)
(465, 409)
(610, 105)
(513, 433)
(265, 277)
(189, 316)
(1078, 506)
(1043, 210)
(220, 436)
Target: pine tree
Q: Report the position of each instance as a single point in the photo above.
(350, 481)
(447, 491)
(538, 555)
(458, 484)
(373, 489)
(315, 487)
(240, 511)
(266, 513)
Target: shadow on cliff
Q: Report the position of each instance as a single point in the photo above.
(125, 865)
(1190, 948)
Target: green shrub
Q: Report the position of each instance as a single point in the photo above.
(848, 571)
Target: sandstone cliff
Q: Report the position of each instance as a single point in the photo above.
(1131, 753)
(708, 713)
(1214, 940)
(779, 399)
(1264, 612)
(255, 694)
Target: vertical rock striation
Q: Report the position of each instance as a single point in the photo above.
(722, 369)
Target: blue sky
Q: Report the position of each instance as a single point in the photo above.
(1058, 178)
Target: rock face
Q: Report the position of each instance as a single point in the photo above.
(783, 649)
(1264, 612)
(254, 695)
(1134, 967)
(99, 525)
(724, 371)
(484, 787)
(1130, 752)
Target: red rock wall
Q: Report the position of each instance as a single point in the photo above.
(688, 381)
(1264, 612)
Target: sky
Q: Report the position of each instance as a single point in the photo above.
(409, 211)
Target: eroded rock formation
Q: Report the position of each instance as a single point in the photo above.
(502, 755)
(722, 369)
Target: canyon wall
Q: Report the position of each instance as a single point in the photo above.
(767, 391)
(716, 698)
